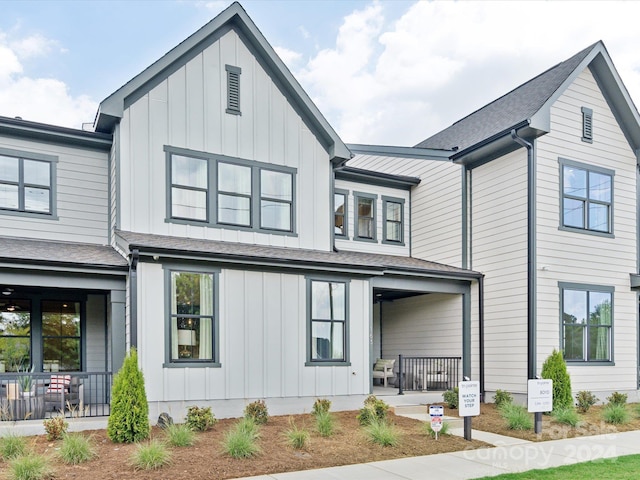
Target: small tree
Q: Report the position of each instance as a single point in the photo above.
(555, 368)
(129, 419)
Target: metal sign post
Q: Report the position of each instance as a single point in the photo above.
(539, 399)
(468, 403)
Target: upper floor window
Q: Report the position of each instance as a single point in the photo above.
(587, 197)
(393, 214)
(26, 182)
(365, 213)
(223, 191)
(327, 321)
(340, 213)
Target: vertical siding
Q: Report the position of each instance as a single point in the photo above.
(582, 258)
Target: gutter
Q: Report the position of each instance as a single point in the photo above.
(133, 281)
(491, 139)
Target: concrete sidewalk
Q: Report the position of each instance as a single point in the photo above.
(513, 455)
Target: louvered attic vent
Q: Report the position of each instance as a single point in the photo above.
(587, 125)
(233, 89)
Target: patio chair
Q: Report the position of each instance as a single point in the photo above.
(63, 391)
(383, 369)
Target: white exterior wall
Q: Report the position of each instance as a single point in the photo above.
(81, 199)
(582, 258)
(187, 110)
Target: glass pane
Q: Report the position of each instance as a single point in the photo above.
(276, 185)
(338, 203)
(393, 231)
(15, 331)
(234, 178)
(9, 196)
(9, 168)
(60, 318)
(327, 341)
(36, 199)
(190, 172)
(573, 342)
(575, 182)
(191, 293)
(365, 207)
(339, 225)
(599, 343)
(192, 338)
(276, 215)
(573, 213)
(188, 204)
(575, 307)
(599, 308)
(37, 173)
(65, 351)
(235, 210)
(599, 187)
(599, 217)
(394, 211)
(328, 301)
(365, 227)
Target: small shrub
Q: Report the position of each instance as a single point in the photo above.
(200, 418)
(76, 449)
(257, 411)
(297, 438)
(451, 398)
(325, 424)
(321, 405)
(151, 456)
(585, 400)
(501, 397)
(566, 416)
(555, 368)
(617, 398)
(179, 435)
(446, 427)
(516, 416)
(29, 467)
(240, 442)
(374, 409)
(615, 414)
(55, 427)
(382, 433)
(12, 446)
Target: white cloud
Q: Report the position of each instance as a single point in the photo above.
(289, 57)
(34, 46)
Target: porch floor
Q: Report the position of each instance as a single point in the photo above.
(391, 397)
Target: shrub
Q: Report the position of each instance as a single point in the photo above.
(249, 426)
(55, 427)
(446, 426)
(321, 405)
(12, 446)
(151, 456)
(617, 398)
(516, 416)
(76, 449)
(240, 442)
(297, 438)
(615, 414)
(200, 418)
(325, 424)
(129, 418)
(374, 409)
(179, 435)
(501, 397)
(382, 433)
(451, 398)
(585, 400)
(567, 416)
(555, 368)
(29, 467)
(257, 411)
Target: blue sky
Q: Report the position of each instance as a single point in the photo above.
(388, 72)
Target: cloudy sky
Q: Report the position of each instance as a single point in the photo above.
(382, 72)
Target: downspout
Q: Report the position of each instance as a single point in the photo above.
(481, 335)
(133, 281)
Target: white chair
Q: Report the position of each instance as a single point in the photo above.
(383, 369)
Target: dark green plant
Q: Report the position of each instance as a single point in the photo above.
(616, 414)
(374, 409)
(516, 416)
(451, 398)
(501, 397)
(200, 418)
(76, 449)
(585, 400)
(321, 405)
(566, 416)
(257, 411)
(617, 398)
(555, 368)
(55, 427)
(129, 418)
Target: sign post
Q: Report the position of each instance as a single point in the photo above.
(539, 399)
(436, 412)
(468, 403)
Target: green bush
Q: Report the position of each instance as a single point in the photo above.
(374, 409)
(200, 418)
(451, 398)
(616, 414)
(151, 456)
(55, 427)
(516, 416)
(129, 418)
(76, 449)
(446, 426)
(321, 405)
(179, 435)
(585, 400)
(257, 411)
(566, 416)
(325, 424)
(12, 446)
(501, 397)
(297, 438)
(555, 368)
(240, 441)
(617, 398)
(248, 426)
(382, 433)
(30, 467)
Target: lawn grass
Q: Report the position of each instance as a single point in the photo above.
(619, 468)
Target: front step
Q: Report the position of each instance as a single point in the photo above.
(421, 412)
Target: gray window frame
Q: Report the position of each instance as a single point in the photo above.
(309, 300)
(345, 214)
(185, 268)
(356, 227)
(562, 162)
(212, 191)
(562, 286)
(22, 155)
(587, 125)
(385, 239)
(233, 101)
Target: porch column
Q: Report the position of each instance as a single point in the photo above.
(466, 349)
(118, 329)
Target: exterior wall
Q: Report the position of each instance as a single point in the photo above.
(187, 110)
(370, 246)
(583, 258)
(96, 334)
(81, 196)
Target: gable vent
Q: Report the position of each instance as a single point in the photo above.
(233, 89)
(587, 125)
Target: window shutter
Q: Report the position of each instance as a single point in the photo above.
(587, 125)
(233, 89)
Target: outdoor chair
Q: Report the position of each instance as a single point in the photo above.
(63, 391)
(383, 369)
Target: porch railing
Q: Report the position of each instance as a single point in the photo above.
(30, 396)
(428, 373)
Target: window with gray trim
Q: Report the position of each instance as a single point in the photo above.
(392, 221)
(365, 216)
(587, 197)
(233, 89)
(26, 184)
(327, 311)
(340, 213)
(587, 322)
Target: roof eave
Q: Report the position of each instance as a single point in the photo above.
(376, 178)
(400, 152)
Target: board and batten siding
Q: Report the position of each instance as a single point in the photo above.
(499, 250)
(582, 258)
(263, 341)
(81, 197)
(187, 110)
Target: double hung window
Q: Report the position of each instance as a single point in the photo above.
(393, 211)
(327, 311)
(340, 213)
(365, 216)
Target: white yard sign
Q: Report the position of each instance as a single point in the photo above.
(540, 395)
(469, 398)
(436, 412)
